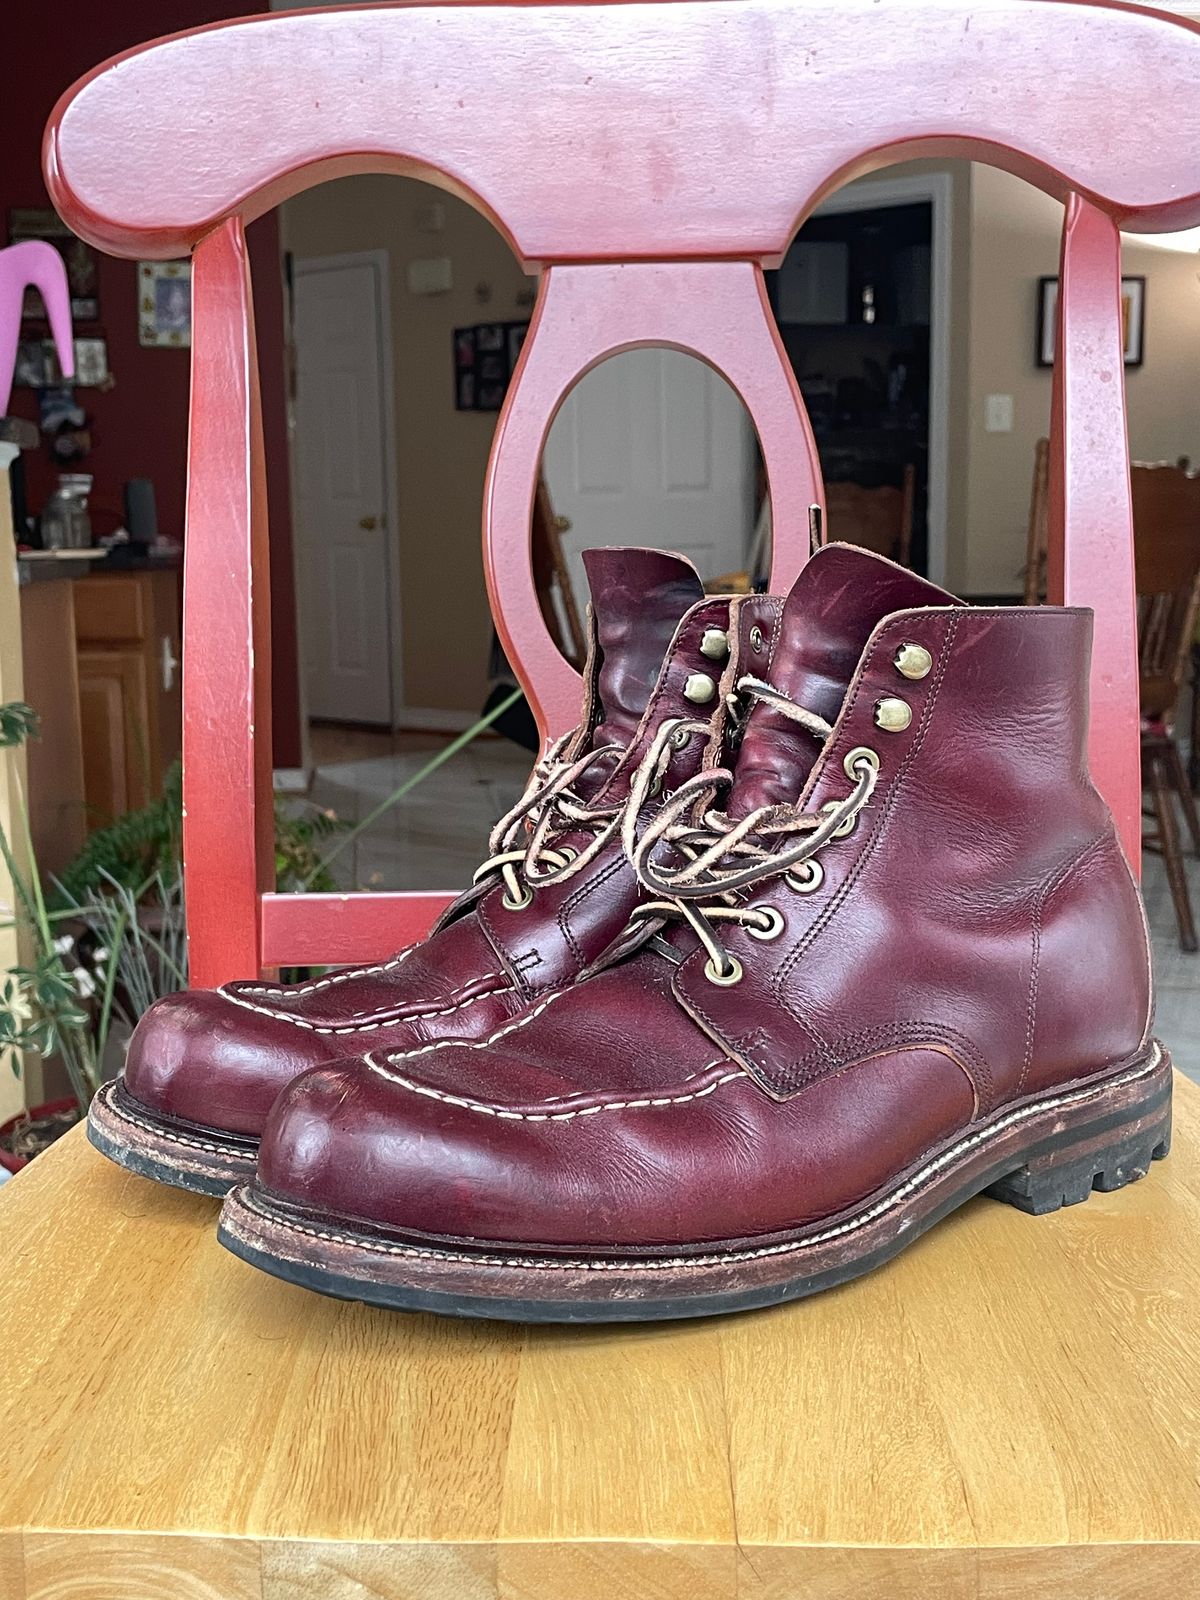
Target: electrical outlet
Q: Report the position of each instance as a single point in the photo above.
(998, 413)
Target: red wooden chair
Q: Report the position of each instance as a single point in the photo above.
(651, 160)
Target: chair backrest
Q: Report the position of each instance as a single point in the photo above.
(650, 160)
(1166, 533)
(877, 519)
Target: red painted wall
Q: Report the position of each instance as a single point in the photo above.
(139, 427)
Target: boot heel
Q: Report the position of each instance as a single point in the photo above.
(1066, 1174)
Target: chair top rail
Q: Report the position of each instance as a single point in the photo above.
(611, 129)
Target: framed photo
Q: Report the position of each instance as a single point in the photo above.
(91, 363)
(31, 369)
(1133, 320)
(31, 222)
(165, 303)
(484, 359)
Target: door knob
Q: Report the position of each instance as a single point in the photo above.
(367, 524)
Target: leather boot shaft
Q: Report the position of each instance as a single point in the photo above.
(982, 907)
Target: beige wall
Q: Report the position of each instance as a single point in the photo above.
(441, 453)
(1015, 233)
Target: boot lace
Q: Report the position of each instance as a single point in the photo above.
(522, 844)
(713, 858)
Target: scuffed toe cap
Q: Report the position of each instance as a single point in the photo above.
(197, 1057)
(344, 1142)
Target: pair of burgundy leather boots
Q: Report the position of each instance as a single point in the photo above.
(813, 930)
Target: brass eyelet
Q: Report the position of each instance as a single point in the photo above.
(775, 924)
(680, 737)
(756, 639)
(847, 825)
(812, 879)
(913, 661)
(517, 905)
(733, 973)
(861, 755)
(892, 714)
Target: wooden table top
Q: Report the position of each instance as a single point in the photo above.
(1012, 1408)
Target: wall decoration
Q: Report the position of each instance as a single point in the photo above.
(484, 359)
(37, 365)
(80, 259)
(165, 303)
(91, 364)
(1133, 319)
(30, 370)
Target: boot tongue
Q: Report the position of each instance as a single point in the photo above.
(638, 599)
(834, 606)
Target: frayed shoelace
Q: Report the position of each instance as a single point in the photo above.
(723, 856)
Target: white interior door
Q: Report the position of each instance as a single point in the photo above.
(341, 457)
(652, 447)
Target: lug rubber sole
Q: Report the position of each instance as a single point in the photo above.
(1050, 1151)
(183, 1154)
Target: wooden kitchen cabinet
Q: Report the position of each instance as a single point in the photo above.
(127, 637)
(57, 810)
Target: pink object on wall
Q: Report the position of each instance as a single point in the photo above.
(653, 158)
(38, 264)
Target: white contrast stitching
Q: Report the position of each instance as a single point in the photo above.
(393, 1020)
(330, 982)
(564, 1116)
(670, 1263)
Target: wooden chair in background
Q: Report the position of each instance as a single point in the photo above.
(1166, 527)
(1166, 535)
(552, 578)
(1038, 537)
(1166, 530)
(877, 519)
(663, 241)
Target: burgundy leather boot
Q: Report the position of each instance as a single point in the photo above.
(905, 965)
(204, 1067)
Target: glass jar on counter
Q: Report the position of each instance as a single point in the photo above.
(65, 521)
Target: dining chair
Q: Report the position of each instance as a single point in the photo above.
(1166, 524)
(648, 162)
(1037, 537)
(878, 519)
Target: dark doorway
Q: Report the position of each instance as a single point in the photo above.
(852, 302)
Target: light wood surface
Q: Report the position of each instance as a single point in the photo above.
(1011, 1409)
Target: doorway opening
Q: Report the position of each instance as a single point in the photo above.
(861, 301)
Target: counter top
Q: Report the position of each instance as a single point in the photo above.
(40, 566)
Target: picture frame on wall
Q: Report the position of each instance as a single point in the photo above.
(81, 261)
(164, 290)
(485, 357)
(37, 367)
(1133, 317)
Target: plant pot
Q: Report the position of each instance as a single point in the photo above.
(52, 1112)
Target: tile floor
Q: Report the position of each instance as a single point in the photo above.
(436, 836)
